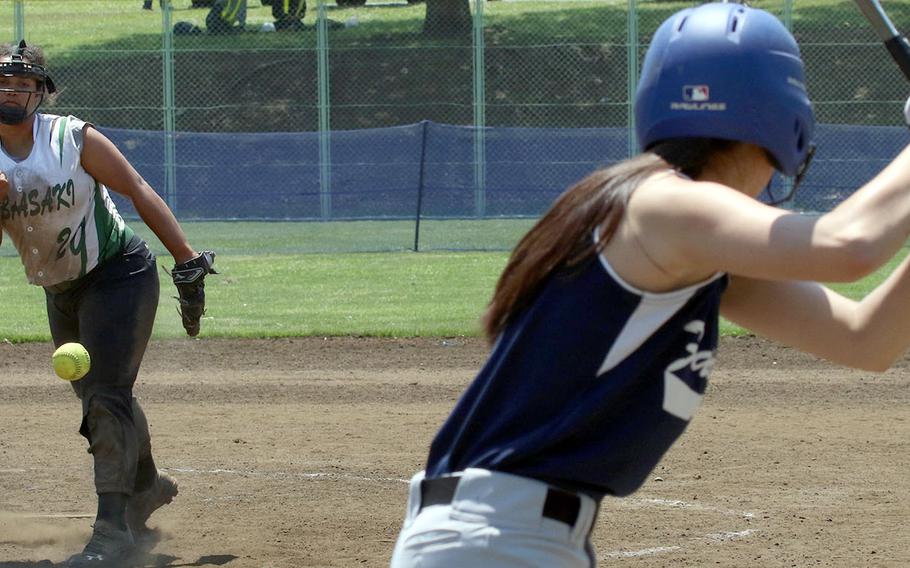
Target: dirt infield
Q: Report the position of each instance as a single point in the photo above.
(295, 453)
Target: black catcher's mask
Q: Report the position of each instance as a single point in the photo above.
(16, 67)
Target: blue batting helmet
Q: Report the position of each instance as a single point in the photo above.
(726, 71)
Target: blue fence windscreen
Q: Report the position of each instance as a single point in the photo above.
(381, 173)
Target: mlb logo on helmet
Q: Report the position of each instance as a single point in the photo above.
(697, 97)
(696, 93)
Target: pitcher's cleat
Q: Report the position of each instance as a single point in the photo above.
(140, 506)
(109, 547)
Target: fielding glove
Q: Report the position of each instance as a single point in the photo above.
(189, 278)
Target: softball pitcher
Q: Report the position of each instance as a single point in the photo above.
(101, 285)
(604, 323)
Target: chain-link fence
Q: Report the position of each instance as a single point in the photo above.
(412, 112)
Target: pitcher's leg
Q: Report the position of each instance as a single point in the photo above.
(116, 311)
(146, 470)
(108, 426)
(116, 314)
(153, 488)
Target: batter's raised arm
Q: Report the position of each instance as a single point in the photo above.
(856, 237)
(705, 227)
(875, 220)
(870, 334)
(104, 162)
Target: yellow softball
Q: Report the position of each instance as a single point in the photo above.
(71, 361)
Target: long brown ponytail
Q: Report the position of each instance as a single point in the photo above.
(563, 236)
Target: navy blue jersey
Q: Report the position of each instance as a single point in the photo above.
(589, 386)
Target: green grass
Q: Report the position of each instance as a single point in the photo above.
(281, 295)
(267, 288)
(247, 238)
(240, 238)
(384, 294)
(548, 63)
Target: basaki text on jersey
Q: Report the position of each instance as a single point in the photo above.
(29, 206)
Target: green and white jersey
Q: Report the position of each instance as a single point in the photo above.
(61, 220)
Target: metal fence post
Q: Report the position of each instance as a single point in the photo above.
(632, 40)
(480, 113)
(170, 150)
(788, 14)
(325, 147)
(424, 124)
(788, 22)
(19, 19)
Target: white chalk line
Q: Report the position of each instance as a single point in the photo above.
(642, 502)
(636, 502)
(285, 474)
(57, 516)
(643, 552)
(725, 536)
(730, 535)
(714, 537)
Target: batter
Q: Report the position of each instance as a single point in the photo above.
(604, 322)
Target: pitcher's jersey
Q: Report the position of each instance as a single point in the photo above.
(61, 220)
(589, 386)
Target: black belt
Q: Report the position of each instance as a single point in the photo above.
(559, 505)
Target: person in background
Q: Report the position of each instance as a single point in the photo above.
(604, 322)
(288, 14)
(147, 4)
(100, 283)
(226, 16)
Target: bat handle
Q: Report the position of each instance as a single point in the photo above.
(899, 48)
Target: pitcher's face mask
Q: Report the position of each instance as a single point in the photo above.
(23, 86)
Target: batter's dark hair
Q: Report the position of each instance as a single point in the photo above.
(562, 238)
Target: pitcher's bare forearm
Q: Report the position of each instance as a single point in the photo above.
(106, 164)
(159, 218)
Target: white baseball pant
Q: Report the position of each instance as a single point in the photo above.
(495, 520)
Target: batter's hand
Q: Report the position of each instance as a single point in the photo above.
(189, 278)
(907, 112)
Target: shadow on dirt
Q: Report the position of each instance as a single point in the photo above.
(166, 561)
(151, 561)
